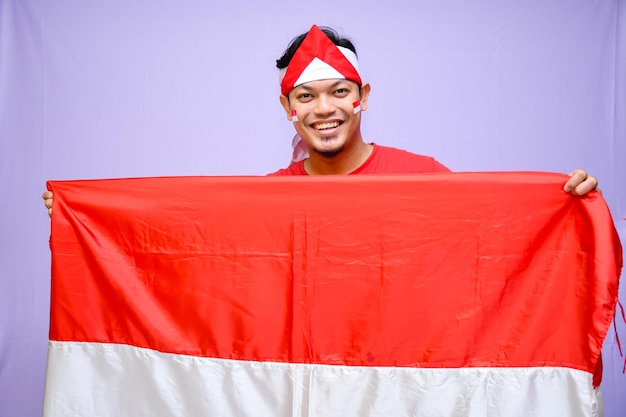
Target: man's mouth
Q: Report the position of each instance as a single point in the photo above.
(325, 126)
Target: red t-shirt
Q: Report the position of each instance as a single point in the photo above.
(383, 160)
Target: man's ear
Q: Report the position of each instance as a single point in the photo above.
(284, 101)
(365, 93)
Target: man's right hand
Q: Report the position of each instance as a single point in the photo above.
(47, 196)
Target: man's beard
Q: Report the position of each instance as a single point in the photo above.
(329, 154)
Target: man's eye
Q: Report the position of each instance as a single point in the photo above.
(304, 96)
(341, 91)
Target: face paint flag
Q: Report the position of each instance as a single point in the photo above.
(430, 295)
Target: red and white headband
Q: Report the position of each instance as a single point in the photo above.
(318, 58)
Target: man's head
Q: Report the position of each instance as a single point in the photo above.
(322, 90)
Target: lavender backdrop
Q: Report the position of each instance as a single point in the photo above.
(122, 88)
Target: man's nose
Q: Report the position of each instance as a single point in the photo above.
(325, 104)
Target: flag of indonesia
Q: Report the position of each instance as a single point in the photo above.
(468, 294)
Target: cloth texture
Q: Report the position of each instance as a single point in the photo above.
(368, 295)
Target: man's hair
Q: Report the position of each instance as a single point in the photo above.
(284, 60)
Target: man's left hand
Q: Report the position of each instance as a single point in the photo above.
(580, 183)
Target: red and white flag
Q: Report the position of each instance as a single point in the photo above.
(466, 294)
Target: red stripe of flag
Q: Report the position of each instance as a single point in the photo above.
(445, 270)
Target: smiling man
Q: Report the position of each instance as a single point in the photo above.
(323, 94)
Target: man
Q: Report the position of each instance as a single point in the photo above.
(323, 94)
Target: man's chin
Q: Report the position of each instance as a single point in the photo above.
(328, 153)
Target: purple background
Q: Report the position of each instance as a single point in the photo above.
(99, 89)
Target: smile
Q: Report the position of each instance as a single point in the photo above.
(324, 126)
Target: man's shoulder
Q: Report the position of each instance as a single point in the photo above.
(390, 160)
(389, 150)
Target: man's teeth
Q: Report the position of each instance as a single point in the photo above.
(323, 126)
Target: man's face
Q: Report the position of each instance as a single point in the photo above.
(325, 110)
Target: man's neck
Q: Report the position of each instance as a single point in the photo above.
(344, 162)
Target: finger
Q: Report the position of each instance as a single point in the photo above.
(47, 195)
(589, 184)
(576, 178)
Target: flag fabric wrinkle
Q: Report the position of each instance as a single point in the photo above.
(436, 294)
